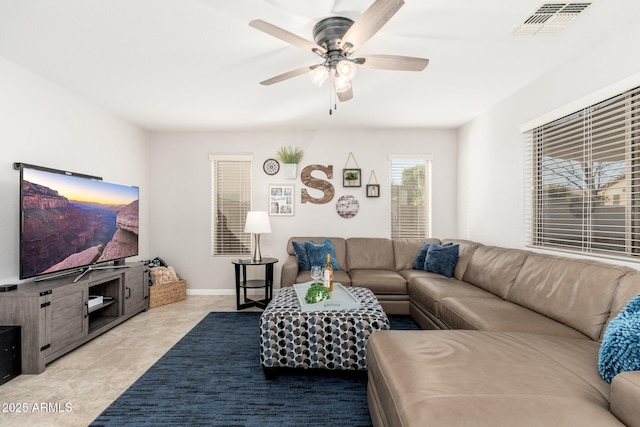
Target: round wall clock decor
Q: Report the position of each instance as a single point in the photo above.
(271, 166)
(347, 206)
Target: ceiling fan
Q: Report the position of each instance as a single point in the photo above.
(336, 39)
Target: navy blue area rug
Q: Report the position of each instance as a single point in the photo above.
(213, 377)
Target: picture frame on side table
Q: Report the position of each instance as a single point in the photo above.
(352, 177)
(281, 199)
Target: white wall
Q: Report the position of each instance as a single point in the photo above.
(490, 156)
(180, 176)
(45, 125)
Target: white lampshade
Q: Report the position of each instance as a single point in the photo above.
(318, 75)
(346, 69)
(257, 222)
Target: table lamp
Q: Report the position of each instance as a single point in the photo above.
(257, 223)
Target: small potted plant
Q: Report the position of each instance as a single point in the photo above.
(290, 156)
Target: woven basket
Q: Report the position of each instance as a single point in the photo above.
(167, 293)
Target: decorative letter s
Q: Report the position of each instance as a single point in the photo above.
(318, 184)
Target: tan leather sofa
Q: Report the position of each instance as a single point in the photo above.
(512, 337)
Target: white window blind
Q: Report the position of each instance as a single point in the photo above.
(410, 195)
(231, 200)
(583, 180)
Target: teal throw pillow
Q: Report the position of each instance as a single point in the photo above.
(620, 347)
(442, 259)
(301, 255)
(318, 253)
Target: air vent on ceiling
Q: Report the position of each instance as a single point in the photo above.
(550, 18)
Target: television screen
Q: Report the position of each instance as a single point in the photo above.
(70, 221)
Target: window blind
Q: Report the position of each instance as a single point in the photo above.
(583, 180)
(410, 196)
(231, 200)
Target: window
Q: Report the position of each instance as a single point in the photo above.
(231, 200)
(583, 180)
(410, 195)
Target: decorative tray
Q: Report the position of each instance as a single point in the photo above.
(341, 299)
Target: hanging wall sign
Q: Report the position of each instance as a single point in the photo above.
(317, 183)
(373, 190)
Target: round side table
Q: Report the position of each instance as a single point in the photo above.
(244, 284)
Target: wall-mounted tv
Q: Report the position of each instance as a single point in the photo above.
(69, 221)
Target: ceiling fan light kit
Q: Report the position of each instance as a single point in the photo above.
(318, 75)
(336, 39)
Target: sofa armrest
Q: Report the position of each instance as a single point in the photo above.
(289, 271)
(625, 395)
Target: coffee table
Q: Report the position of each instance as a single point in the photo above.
(324, 339)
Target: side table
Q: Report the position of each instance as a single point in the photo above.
(242, 282)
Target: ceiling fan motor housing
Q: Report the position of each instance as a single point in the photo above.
(328, 32)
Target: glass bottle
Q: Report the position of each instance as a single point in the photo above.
(328, 274)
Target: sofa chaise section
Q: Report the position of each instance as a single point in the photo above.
(478, 378)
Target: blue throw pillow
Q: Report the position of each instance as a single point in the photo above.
(318, 253)
(301, 255)
(442, 259)
(418, 264)
(620, 347)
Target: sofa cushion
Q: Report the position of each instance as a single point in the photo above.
(628, 288)
(455, 378)
(379, 281)
(317, 253)
(494, 269)
(441, 259)
(467, 248)
(428, 289)
(495, 314)
(370, 253)
(620, 348)
(625, 395)
(572, 291)
(405, 251)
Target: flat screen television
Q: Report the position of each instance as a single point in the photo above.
(69, 222)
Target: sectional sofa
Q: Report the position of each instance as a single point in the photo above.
(512, 338)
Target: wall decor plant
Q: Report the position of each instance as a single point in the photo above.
(290, 156)
(351, 177)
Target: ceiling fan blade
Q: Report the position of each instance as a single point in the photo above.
(394, 62)
(286, 36)
(346, 95)
(288, 75)
(369, 23)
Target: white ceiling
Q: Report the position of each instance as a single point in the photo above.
(196, 64)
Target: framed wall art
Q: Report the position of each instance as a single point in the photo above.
(351, 177)
(373, 190)
(281, 199)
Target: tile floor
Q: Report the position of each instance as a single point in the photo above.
(77, 387)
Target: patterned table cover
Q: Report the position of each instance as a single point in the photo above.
(323, 339)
